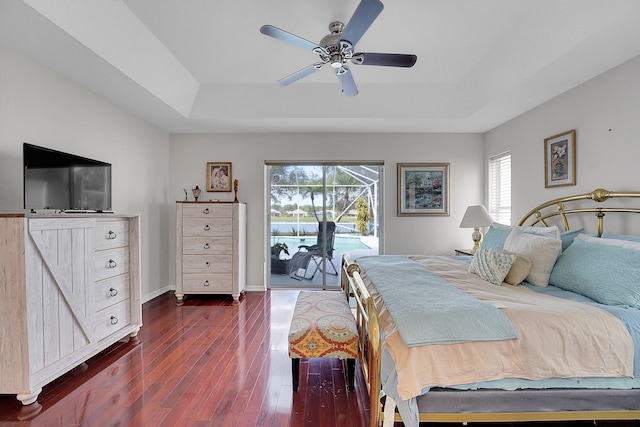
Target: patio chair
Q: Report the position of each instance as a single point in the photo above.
(315, 253)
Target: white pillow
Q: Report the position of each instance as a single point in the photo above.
(627, 244)
(542, 251)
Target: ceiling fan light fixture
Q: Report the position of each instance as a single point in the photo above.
(337, 48)
(336, 60)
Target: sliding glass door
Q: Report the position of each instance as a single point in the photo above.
(316, 212)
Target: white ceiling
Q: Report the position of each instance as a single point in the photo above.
(203, 65)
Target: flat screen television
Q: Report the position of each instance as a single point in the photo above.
(66, 182)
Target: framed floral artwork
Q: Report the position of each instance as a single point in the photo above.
(560, 160)
(423, 189)
(218, 176)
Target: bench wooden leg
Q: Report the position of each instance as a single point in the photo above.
(295, 372)
(351, 374)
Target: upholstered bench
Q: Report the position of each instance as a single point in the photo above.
(323, 326)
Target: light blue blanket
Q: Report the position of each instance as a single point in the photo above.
(427, 309)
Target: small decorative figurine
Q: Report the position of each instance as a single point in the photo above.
(235, 189)
(196, 192)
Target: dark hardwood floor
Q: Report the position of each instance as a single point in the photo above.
(209, 362)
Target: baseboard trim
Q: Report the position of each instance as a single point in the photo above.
(157, 293)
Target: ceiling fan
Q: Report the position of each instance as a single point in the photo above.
(337, 48)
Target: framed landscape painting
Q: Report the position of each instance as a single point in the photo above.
(560, 160)
(423, 189)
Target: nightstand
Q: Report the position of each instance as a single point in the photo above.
(463, 252)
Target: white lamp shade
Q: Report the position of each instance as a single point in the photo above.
(476, 216)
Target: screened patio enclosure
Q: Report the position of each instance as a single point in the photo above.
(316, 213)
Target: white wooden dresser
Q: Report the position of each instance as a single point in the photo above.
(69, 288)
(211, 248)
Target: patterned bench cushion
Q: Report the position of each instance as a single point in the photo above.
(323, 326)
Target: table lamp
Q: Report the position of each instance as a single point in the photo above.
(476, 217)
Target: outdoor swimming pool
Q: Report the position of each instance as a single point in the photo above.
(341, 244)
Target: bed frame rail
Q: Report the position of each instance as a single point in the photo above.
(368, 326)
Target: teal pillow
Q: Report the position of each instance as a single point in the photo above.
(568, 236)
(495, 237)
(606, 274)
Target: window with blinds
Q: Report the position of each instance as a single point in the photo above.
(500, 188)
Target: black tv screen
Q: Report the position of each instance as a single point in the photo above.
(66, 182)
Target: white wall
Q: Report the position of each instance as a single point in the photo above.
(248, 152)
(605, 112)
(41, 107)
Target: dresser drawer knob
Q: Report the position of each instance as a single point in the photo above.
(111, 235)
(207, 228)
(206, 246)
(113, 292)
(208, 264)
(114, 320)
(206, 283)
(206, 211)
(112, 264)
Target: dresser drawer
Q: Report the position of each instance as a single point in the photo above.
(112, 319)
(207, 264)
(207, 227)
(208, 282)
(110, 263)
(112, 291)
(112, 234)
(206, 210)
(207, 245)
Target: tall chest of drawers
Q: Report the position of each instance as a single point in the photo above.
(211, 248)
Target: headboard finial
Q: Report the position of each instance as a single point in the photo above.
(599, 195)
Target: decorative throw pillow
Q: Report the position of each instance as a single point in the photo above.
(519, 270)
(491, 265)
(606, 274)
(542, 251)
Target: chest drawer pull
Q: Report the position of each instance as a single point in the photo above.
(206, 246)
(114, 320)
(206, 283)
(206, 211)
(113, 292)
(207, 228)
(208, 264)
(112, 264)
(111, 235)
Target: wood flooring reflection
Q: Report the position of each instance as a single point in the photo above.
(209, 362)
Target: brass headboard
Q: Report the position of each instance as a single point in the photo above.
(542, 213)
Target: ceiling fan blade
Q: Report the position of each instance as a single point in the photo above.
(349, 87)
(285, 36)
(366, 12)
(385, 59)
(300, 74)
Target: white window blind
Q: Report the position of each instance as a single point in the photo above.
(500, 188)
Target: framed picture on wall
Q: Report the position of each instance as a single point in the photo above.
(560, 160)
(423, 189)
(219, 176)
